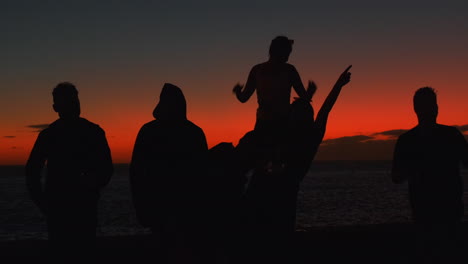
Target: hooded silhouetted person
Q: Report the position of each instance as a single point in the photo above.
(429, 157)
(78, 166)
(165, 169)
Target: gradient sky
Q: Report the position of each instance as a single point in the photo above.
(120, 53)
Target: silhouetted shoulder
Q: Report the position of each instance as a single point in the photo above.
(448, 129)
(80, 122)
(183, 123)
(408, 134)
(90, 125)
(441, 130)
(258, 67)
(291, 67)
(43, 133)
(149, 125)
(194, 127)
(172, 129)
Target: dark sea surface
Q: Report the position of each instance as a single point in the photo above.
(334, 193)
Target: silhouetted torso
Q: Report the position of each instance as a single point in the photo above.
(433, 157)
(79, 165)
(78, 159)
(274, 81)
(279, 151)
(278, 170)
(167, 177)
(164, 167)
(76, 151)
(303, 140)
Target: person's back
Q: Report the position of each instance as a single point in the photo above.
(164, 160)
(72, 149)
(78, 161)
(433, 155)
(168, 152)
(166, 177)
(271, 194)
(274, 81)
(429, 158)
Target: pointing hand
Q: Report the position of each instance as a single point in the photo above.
(345, 77)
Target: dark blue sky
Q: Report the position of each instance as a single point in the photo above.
(119, 53)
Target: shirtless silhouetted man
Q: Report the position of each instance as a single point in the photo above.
(428, 157)
(273, 80)
(79, 165)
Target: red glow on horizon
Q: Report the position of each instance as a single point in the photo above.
(361, 109)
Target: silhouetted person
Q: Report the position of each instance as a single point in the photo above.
(428, 157)
(273, 81)
(272, 191)
(79, 165)
(166, 176)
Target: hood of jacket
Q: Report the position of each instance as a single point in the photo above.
(172, 104)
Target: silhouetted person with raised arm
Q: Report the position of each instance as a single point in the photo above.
(273, 80)
(304, 138)
(166, 177)
(428, 157)
(272, 191)
(79, 165)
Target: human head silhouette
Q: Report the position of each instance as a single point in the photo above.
(425, 105)
(301, 112)
(172, 104)
(66, 102)
(280, 48)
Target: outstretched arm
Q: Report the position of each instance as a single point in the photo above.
(33, 170)
(244, 93)
(299, 88)
(322, 116)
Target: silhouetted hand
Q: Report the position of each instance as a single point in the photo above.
(237, 89)
(311, 89)
(344, 78)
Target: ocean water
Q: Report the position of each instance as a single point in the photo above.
(334, 193)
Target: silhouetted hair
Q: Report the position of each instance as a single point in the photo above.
(301, 111)
(424, 96)
(281, 47)
(172, 104)
(64, 90)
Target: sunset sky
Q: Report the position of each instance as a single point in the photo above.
(120, 53)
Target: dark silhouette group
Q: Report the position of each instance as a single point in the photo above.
(231, 204)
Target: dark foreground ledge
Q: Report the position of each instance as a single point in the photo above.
(386, 243)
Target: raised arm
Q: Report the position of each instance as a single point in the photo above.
(33, 171)
(322, 116)
(244, 93)
(299, 88)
